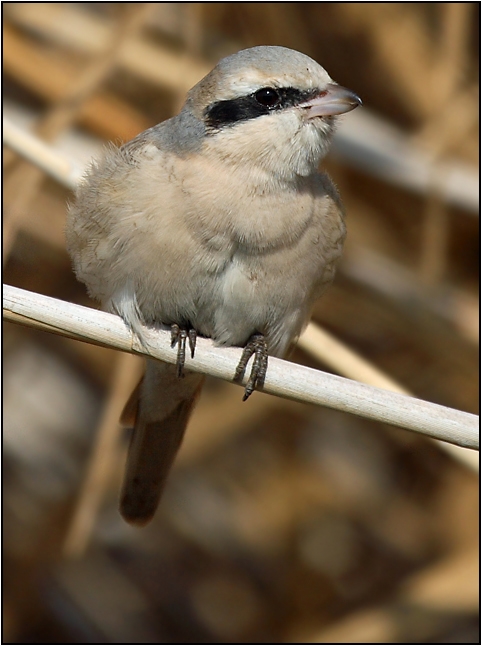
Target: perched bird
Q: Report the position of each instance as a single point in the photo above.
(215, 222)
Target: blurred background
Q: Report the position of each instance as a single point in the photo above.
(281, 522)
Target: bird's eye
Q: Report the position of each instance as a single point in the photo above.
(268, 97)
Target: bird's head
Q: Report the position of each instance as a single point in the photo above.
(271, 107)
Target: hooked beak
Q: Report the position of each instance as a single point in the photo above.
(335, 99)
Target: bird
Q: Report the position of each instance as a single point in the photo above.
(218, 223)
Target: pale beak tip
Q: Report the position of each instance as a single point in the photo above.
(357, 101)
(334, 100)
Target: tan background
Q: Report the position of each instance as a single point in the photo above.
(281, 522)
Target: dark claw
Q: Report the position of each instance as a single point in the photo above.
(175, 329)
(257, 346)
(192, 341)
(179, 336)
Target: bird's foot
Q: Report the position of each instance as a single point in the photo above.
(257, 346)
(179, 335)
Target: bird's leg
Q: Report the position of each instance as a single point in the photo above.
(178, 336)
(257, 346)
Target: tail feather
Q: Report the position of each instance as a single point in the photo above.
(164, 407)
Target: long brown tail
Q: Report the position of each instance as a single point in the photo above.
(164, 406)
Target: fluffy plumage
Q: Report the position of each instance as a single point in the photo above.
(218, 218)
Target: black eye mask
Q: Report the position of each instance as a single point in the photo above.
(263, 101)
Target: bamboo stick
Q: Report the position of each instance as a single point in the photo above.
(283, 379)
